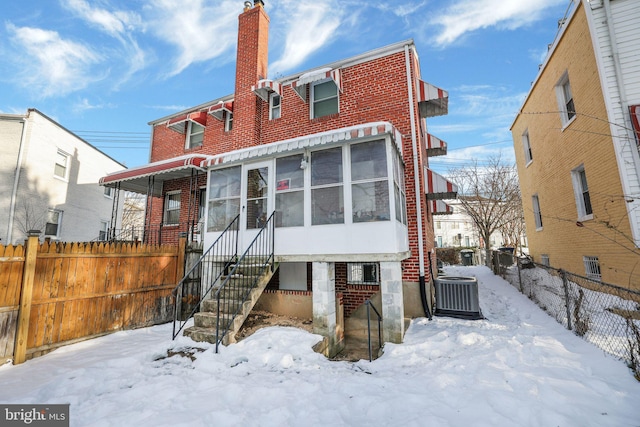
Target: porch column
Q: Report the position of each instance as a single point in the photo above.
(392, 302)
(324, 303)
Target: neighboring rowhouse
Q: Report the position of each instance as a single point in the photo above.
(576, 144)
(338, 152)
(49, 182)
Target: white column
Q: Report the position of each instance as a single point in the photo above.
(392, 302)
(324, 300)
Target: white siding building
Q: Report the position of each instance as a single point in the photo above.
(49, 182)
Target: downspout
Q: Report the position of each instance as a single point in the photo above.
(416, 180)
(14, 192)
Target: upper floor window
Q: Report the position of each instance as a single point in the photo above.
(581, 191)
(526, 145)
(52, 226)
(104, 230)
(536, 211)
(172, 208)
(108, 192)
(228, 121)
(62, 164)
(274, 106)
(370, 186)
(324, 98)
(592, 267)
(195, 134)
(565, 100)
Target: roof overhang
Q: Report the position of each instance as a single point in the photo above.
(432, 101)
(178, 123)
(219, 109)
(263, 88)
(438, 207)
(331, 137)
(300, 85)
(435, 146)
(138, 179)
(438, 187)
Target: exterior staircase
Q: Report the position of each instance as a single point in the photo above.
(222, 315)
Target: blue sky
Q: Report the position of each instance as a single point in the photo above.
(105, 68)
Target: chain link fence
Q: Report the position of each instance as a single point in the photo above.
(603, 314)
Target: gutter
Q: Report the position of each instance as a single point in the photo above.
(14, 191)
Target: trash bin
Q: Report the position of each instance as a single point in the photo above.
(467, 256)
(506, 256)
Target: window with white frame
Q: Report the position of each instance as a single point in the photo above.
(526, 145)
(52, 226)
(62, 164)
(592, 267)
(228, 121)
(439, 241)
(108, 192)
(274, 106)
(537, 215)
(369, 183)
(172, 208)
(324, 98)
(581, 191)
(195, 134)
(544, 260)
(224, 197)
(565, 100)
(290, 191)
(400, 195)
(104, 230)
(327, 199)
(363, 273)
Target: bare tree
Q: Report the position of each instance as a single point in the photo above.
(490, 195)
(29, 217)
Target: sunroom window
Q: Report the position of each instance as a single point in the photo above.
(327, 200)
(289, 191)
(224, 198)
(369, 183)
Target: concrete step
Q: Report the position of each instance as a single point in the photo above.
(211, 305)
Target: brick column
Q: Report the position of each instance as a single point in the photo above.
(392, 302)
(324, 303)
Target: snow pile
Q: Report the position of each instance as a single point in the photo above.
(518, 367)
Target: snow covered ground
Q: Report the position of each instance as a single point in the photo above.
(516, 368)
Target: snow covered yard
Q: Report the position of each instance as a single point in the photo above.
(518, 367)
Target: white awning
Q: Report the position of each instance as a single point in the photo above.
(438, 187)
(178, 123)
(263, 88)
(334, 136)
(300, 85)
(432, 100)
(435, 146)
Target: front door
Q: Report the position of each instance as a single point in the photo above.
(257, 200)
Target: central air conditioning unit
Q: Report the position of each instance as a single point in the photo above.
(457, 297)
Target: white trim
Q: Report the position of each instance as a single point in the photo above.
(272, 96)
(563, 82)
(578, 193)
(312, 100)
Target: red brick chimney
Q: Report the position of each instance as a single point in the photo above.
(251, 66)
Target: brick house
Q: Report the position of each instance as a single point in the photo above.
(338, 153)
(576, 142)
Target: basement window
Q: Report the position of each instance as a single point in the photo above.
(363, 273)
(592, 267)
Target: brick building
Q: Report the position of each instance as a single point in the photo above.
(576, 144)
(338, 154)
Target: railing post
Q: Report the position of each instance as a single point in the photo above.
(565, 284)
(26, 296)
(519, 274)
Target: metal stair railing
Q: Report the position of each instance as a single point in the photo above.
(224, 251)
(369, 307)
(243, 278)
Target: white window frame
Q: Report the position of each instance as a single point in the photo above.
(526, 145)
(228, 121)
(592, 267)
(190, 134)
(168, 209)
(312, 100)
(565, 97)
(544, 260)
(275, 110)
(108, 192)
(58, 224)
(65, 167)
(585, 212)
(104, 230)
(356, 273)
(537, 213)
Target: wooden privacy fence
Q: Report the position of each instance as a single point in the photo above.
(53, 294)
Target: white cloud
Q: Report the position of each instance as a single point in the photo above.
(198, 29)
(309, 26)
(466, 16)
(52, 65)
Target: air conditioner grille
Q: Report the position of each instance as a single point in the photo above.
(457, 297)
